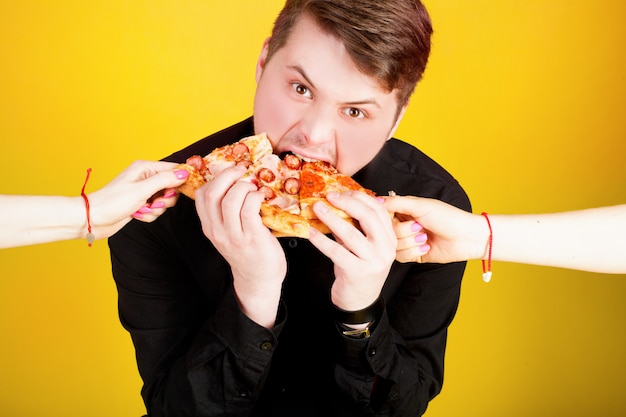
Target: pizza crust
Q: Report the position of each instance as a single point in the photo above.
(285, 224)
(194, 181)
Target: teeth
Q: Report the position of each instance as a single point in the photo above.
(304, 158)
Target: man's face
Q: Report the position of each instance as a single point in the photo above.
(312, 100)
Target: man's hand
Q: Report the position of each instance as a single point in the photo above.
(229, 212)
(362, 257)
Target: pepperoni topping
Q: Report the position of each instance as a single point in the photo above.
(255, 182)
(292, 186)
(240, 150)
(269, 193)
(197, 162)
(265, 175)
(244, 163)
(292, 161)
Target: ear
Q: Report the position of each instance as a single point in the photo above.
(398, 119)
(262, 58)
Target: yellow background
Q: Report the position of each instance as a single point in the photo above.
(523, 102)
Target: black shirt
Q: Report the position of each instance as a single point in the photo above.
(199, 355)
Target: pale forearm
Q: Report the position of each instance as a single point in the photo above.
(28, 220)
(590, 240)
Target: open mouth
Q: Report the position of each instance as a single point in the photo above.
(303, 158)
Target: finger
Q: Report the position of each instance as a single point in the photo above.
(152, 187)
(149, 212)
(405, 205)
(250, 213)
(326, 245)
(141, 169)
(413, 254)
(209, 197)
(338, 225)
(168, 199)
(368, 212)
(158, 208)
(406, 228)
(148, 218)
(359, 205)
(348, 237)
(407, 242)
(233, 206)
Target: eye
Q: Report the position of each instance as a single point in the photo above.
(354, 113)
(301, 90)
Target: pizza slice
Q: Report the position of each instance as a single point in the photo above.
(291, 186)
(247, 152)
(317, 179)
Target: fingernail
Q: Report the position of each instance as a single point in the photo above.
(421, 238)
(321, 207)
(170, 193)
(332, 195)
(416, 227)
(425, 248)
(144, 210)
(157, 205)
(380, 199)
(137, 215)
(181, 174)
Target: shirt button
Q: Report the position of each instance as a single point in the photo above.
(372, 352)
(267, 346)
(293, 243)
(243, 393)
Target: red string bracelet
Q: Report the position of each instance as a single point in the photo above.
(487, 270)
(90, 236)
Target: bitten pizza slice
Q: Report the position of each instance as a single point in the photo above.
(245, 152)
(290, 185)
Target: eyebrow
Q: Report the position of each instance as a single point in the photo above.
(301, 71)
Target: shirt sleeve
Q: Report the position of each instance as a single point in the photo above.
(189, 368)
(400, 367)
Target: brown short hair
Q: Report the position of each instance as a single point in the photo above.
(387, 39)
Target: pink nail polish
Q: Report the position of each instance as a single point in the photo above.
(137, 215)
(424, 248)
(170, 193)
(181, 174)
(416, 227)
(144, 210)
(157, 205)
(421, 238)
(380, 199)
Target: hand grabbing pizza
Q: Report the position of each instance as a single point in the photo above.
(228, 208)
(362, 257)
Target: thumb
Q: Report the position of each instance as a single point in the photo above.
(408, 205)
(162, 180)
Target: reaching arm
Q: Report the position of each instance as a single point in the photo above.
(29, 220)
(589, 240)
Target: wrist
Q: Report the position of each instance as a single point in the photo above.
(358, 331)
(90, 236)
(480, 238)
(71, 220)
(364, 316)
(259, 306)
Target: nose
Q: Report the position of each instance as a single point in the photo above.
(318, 126)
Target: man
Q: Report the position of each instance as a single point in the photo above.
(227, 319)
